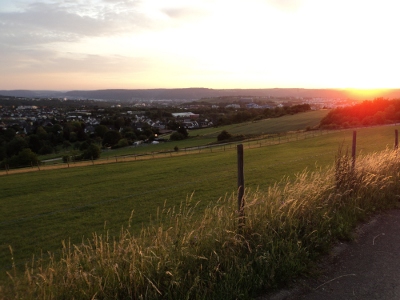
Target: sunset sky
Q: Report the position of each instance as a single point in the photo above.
(130, 44)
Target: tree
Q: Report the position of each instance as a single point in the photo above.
(148, 132)
(92, 152)
(182, 130)
(379, 118)
(73, 137)
(46, 149)
(130, 135)
(8, 134)
(3, 153)
(176, 136)
(83, 146)
(24, 158)
(16, 145)
(179, 127)
(122, 143)
(66, 145)
(224, 135)
(111, 138)
(41, 133)
(35, 143)
(101, 130)
(119, 122)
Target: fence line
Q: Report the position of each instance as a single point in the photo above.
(228, 176)
(266, 140)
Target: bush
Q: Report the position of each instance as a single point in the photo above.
(46, 149)
(71, 156)
(224, 135)
(176, 136)
(25, 157)
(111, 138)
(92, 152)
(121, 143)
(83, 146)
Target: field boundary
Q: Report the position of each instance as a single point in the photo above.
(263, 141)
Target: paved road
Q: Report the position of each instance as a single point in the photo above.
(366, 268)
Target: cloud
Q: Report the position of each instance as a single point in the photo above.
(47, 61)
(67, 21)
(185, 13)
(286, 5)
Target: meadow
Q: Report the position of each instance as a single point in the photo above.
(39, 210)
(201, 137)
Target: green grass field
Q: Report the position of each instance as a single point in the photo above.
(40, 209)
(200, 137)
(276, 125)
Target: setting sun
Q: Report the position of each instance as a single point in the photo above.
(366, 93)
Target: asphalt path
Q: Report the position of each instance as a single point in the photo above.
(366, 268)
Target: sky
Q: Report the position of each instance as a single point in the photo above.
(221, 44)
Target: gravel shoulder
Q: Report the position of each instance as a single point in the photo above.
(366, 268)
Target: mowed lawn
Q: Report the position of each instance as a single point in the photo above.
(39, 210)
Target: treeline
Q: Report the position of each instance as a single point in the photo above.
(377, 112)
(18, 148)
(7, 101)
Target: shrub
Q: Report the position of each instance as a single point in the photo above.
(92, 152)
(224, 135)
(83, 146)
(46, 149)
(72, 156)
(122, 143)
(176, 136)
(25, 157)
(111, 138)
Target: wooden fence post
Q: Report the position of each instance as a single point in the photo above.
(353, 151)
(240, 186)
(396, 139)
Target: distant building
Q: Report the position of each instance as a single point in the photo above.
(185, 115)
(233, 106)
(25, 107)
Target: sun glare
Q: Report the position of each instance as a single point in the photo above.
(366, 93)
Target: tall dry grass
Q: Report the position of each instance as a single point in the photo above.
(187, 254)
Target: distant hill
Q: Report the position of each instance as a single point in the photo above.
(196, 93)
(32, 94)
